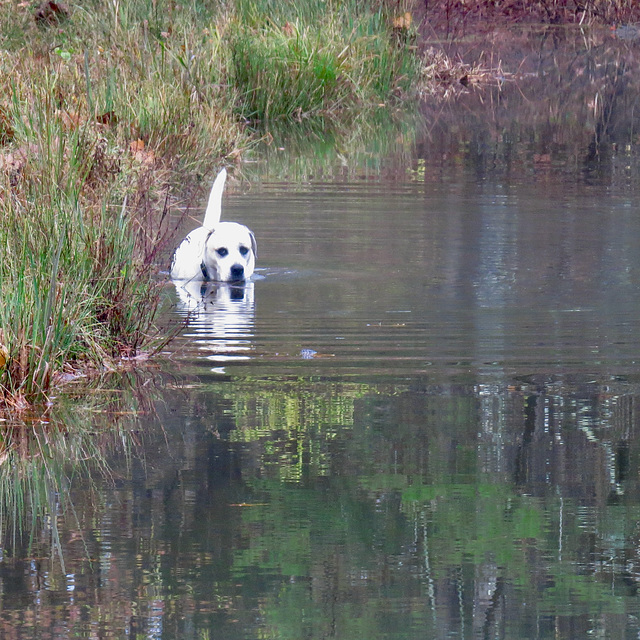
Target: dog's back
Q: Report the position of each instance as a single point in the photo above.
(187, 259)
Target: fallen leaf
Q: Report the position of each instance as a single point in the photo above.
(403, 21)
(6, 130)
(136, 146)
(145, 157)
(70, 120)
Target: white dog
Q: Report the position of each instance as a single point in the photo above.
(219, 251)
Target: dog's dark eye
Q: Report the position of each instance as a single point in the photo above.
(222, 252)
(244, 251)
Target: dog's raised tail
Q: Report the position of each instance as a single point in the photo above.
(214, 206)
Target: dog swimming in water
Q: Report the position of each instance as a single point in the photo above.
(216, 251)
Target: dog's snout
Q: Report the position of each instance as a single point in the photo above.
(237, 272)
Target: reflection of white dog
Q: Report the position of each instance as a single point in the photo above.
(221, 317)
(219, 251)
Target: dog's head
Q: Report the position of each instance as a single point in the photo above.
(229, 253)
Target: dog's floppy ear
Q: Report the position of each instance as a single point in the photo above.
(254, 246)
(214, 206)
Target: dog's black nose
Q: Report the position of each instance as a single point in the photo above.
(237, 272)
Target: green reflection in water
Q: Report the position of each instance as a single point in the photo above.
(417, 518)
(311, 508)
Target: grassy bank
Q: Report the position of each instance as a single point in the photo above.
(106, 107)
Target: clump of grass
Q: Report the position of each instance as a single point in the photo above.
(78, 278)
(286, 75)
(311, 62)
(76, 291)
(90, 145)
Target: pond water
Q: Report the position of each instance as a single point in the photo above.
(418, 421)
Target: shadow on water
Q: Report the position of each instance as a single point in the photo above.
(420, 421)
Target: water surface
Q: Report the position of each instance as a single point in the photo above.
(382, 281)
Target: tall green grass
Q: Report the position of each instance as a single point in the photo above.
(296, 61)
(76, 291)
